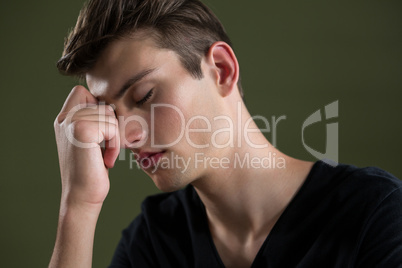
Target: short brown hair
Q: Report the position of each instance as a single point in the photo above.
(187, 27)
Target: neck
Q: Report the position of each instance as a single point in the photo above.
(250, 201)
(247, 200)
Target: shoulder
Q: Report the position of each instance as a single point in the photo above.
(368, 183)
(358, 209)
(348, 194)
(377, 195)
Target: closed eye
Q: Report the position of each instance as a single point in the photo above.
(146, 98)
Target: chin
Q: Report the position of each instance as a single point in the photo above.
(167, 184)
(168, 188)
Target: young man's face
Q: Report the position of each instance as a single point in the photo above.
(135, 76)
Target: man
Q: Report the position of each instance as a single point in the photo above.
(151, 65)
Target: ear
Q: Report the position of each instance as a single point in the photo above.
(225, 67)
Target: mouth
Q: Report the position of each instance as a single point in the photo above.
(149, 159)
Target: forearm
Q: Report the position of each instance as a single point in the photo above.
(75, 236)
(80, 127)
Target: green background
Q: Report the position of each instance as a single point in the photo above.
(296, 57)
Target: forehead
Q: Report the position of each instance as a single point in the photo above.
(122, 59)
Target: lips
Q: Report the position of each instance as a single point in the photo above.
(149, 159)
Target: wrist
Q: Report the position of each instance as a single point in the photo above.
(76, 207)
(75, 234)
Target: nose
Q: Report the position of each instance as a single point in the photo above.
(133, 130)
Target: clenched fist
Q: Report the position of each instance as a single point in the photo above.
(81, 128)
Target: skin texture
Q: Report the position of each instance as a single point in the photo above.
(242, 204)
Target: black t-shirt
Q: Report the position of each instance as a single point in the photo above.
(341, 217)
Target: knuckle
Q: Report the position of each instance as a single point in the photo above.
(81, 130)
(78, 90)
(59, 119)
(113, 120)
(56, 122)
(107, 110)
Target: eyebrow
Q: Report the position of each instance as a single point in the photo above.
(135, 79)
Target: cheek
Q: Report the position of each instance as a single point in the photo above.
(198, 132)
(173, 126)
(168, 124)
(189, 102)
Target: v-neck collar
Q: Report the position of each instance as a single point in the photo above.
(266, 245)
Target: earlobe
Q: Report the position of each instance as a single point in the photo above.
(225, 65)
